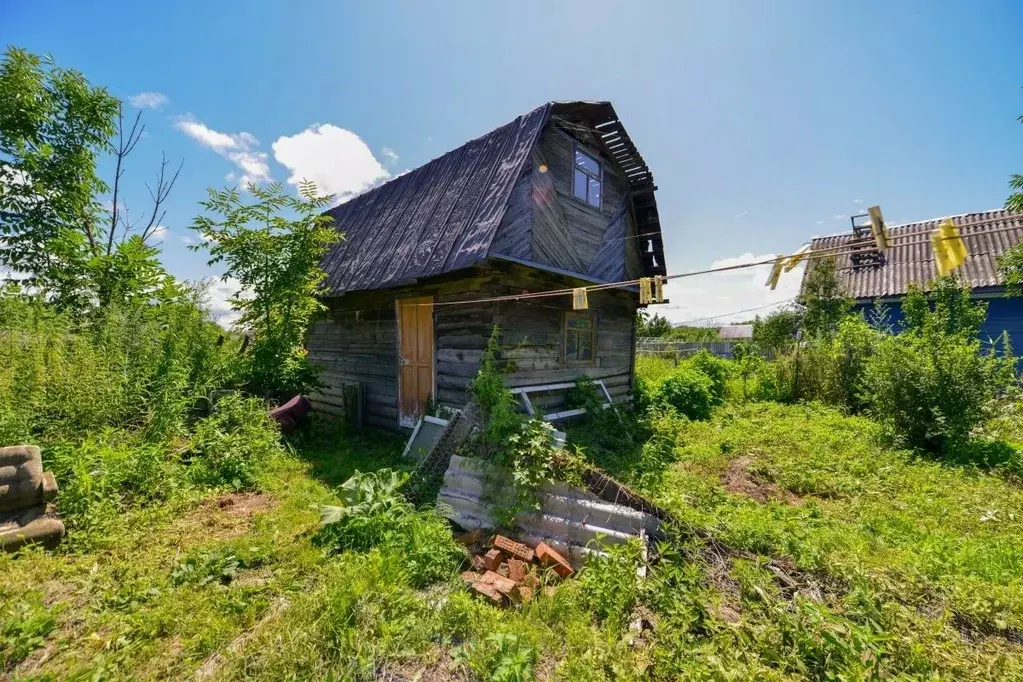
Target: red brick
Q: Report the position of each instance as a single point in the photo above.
(488, 592)
(492, 559)
(470, 538)
(517, 570)
(478, 563)
(471, 577)
(498, 582)
(512, 548)
(522, 593)
(552, 559)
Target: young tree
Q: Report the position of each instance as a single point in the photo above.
(54, 125)
(273, 247)
(824, 301)
(651, 326)
(777, 331)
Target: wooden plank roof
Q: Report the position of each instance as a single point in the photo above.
(443, 215)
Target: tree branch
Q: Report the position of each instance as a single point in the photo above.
(124, 148)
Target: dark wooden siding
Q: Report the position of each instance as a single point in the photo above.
(561, 219)
(531, 339)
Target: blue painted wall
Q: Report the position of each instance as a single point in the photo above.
(1003, 314)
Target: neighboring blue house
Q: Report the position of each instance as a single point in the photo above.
(869, 279)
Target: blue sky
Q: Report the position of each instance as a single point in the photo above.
(763, 122)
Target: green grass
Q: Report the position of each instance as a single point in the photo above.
(902, 567)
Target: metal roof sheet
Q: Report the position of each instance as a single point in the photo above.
(443, 215)
(987, 235)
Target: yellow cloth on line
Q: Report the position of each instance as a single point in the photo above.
(772, 279)
(579, 301)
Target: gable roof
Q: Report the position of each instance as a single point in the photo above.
(913, 261)
(443, 215)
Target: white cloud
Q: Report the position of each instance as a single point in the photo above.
(148, 100)
(337, 160)
(721, 298)
(740, 215)
(857, 201)
(389, 154)
(839, 216)
(159, 232)
(186, 239)
(219, 294)
(820, 222)
(241, 149)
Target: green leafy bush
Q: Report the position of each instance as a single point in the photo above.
(932, 389)
(231, 445)
(499, 657)
(717, 370)
(687, 390)
(611, 585)
(832, 369)
(374, 514)
(140, 367)
(106, 474)
(933, 384)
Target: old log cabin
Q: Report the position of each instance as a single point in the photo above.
(557, 198)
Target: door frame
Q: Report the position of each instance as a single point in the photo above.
(411, 423)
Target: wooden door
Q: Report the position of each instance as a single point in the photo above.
(415, 357)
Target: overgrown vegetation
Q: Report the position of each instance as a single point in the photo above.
(850, 510)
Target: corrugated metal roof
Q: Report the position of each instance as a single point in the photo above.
(736, 331)
(913, 260)
(443, 215)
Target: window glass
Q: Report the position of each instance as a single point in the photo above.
(579, 185)
(593, 193)
(587, 163)
(586, 179)
(578, 337)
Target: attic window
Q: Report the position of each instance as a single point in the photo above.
(586, 178)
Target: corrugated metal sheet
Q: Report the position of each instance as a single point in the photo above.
(735, 332)
(443, 216)
(573, 521)
(914, 262)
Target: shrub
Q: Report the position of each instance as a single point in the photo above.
(107, 473)
(716, 369)
(374, 514)
(611, 583)
(932, 389)
(832, 369)
(689, 391)
(231, 445)
(132, 366)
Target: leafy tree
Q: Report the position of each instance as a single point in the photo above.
(824, 300)
(54, 125)
(651, 326)
(273, 247)
(948, 307)
(777, 331)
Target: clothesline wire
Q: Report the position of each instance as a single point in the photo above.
(819, 254)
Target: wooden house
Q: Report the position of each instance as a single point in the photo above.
(557, 198)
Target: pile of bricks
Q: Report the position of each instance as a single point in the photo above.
(505, 571)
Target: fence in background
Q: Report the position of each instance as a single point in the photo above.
(652, 345)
